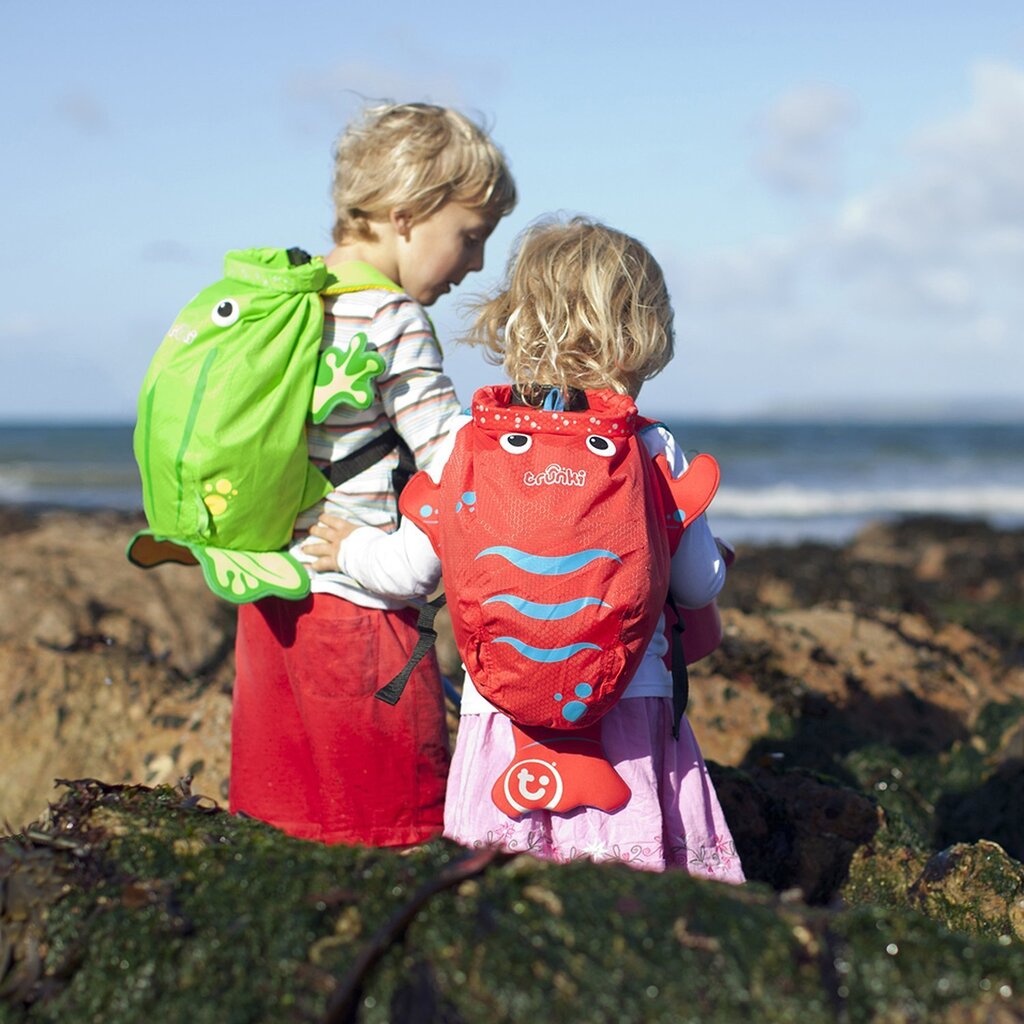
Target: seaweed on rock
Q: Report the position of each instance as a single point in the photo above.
(155, 904)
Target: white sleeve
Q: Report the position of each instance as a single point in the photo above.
(698, 568)
(398, 565)
(697, 573)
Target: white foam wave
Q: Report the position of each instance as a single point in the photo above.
(787, 501)
(78, 485)
(14, 489)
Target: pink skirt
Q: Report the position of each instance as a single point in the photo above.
(671, 820)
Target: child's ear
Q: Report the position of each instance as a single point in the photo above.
(401, 221)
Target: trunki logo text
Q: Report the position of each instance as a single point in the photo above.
(556, 474)
(182, 333)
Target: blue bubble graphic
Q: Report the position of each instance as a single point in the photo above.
(426, 510)
(583, 690)
(574, 711)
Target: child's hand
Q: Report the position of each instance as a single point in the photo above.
(325, 537)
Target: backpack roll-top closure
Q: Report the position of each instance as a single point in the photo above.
(274, 269)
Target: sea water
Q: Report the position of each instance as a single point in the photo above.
(817, 480)
(781, 481)
(79, 465)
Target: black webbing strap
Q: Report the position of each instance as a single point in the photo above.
(391, 692)
(680, 674)
(369, 455)
(362, 458)
(401, 474)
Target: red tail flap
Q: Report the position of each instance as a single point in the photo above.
(686, 497)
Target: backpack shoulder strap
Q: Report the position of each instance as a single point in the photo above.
(680, 673)
(643, 424)
(391, 692)
(356, 276)
(345, 468)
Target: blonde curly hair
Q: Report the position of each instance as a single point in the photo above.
(416, 157)
(582, 306)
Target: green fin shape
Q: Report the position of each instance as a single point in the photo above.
(235, 576)
(345, 375)
(243, 576)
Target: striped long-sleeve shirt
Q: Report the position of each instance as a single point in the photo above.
(412, 394)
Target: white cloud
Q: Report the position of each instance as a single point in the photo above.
(968, 179)
(167, 250)
(752, 277)
(334, 95)
(951, 232)
(946, 286)
(82, 110)
(800, 137)
(991, 331)
(19, 327)
(914, 283)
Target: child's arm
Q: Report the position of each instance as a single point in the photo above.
(399, 565)
(697, 571)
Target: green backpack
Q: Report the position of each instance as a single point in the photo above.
(220, 438)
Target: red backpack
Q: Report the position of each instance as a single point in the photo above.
(555, 530)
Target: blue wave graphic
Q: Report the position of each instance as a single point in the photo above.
(549, 565)
(536, 610)
(544, 654)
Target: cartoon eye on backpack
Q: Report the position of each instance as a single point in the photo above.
(516, 444)
(226, 312)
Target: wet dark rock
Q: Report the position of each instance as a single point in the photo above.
(795, 830)
(944, 569)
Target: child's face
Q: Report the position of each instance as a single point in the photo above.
(436, 253)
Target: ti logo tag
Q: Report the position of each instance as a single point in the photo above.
(532, 785)
(558, 770)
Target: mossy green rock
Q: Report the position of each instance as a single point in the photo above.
(138, 904)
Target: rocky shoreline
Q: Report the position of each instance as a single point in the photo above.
(863, 720)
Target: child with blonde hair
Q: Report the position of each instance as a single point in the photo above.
(582, 321)
(417, 191)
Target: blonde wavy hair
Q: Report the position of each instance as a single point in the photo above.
(416, 157)
(582, 306)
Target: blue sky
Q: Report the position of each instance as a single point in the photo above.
(835, 190)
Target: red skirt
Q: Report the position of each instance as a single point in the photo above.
(312, 751)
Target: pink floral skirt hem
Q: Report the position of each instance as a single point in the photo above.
(671, 820)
